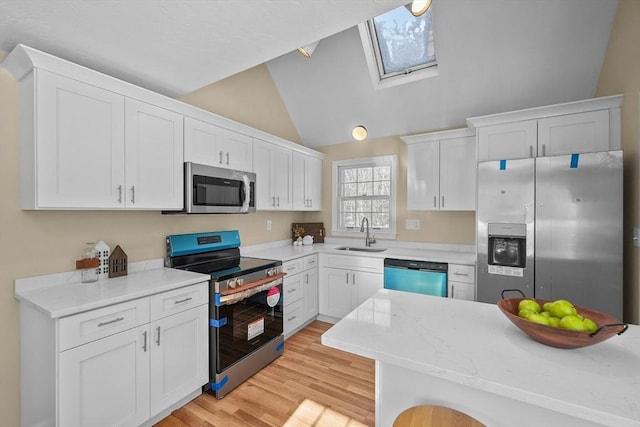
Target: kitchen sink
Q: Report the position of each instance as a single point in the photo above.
(360, 249)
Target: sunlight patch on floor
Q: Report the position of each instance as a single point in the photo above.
(313, 414)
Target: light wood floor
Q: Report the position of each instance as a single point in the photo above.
(309, 385)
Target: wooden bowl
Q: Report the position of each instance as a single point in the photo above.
(608, 326)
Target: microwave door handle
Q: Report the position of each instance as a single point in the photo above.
(245, 193)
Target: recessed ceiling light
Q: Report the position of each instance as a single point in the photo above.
(359, 133)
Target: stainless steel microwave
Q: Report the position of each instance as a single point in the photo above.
(210, 189)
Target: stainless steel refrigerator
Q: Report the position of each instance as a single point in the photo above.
(552, 228)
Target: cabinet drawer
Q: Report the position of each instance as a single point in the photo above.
(178, 300)
(292, 267)
(292, 288)
(293, 316)
(356, 263)
(462, 273)
(92, 325)
(310, 262)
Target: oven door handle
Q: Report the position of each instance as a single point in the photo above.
(250, 290)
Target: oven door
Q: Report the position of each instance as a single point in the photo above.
(245, 326)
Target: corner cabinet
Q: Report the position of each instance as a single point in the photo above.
(347, 281)
(120, 365)
(212, 145)
(585, 126)
(441, 171)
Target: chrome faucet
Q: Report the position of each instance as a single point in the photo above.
(367, 240)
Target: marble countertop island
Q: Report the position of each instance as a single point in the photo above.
(469, 356)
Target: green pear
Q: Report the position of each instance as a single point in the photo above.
(529, 304)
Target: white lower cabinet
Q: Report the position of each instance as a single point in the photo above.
(119, 365)
(300, 289)
(347, 281)
(461, 282)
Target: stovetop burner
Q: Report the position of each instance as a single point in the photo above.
(247, 265)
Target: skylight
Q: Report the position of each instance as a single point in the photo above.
(399, 47)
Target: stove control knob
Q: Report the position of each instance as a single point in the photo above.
(270, 272)
(231, 283)
(276, 271)
(240, 282)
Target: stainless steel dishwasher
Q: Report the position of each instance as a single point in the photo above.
(422, 277)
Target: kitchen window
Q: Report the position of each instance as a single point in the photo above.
(364, 187)
(399, 47)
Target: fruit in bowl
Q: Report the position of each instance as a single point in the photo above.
(583, 326)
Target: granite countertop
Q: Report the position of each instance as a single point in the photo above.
(56, 299)
(474, 344)
(286, 252)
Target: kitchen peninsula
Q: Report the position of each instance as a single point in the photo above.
(469, 356)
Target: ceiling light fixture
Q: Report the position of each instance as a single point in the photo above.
(308, 49)
(359, 133)
(418, 7)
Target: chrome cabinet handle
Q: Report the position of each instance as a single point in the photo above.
(120, 194)
(133, 194)
(544, 150)
(144, 343)
(291, 318)
(435, 200)
(227, 158)
(442, 201)
(182, 300)
(117, 319)
(347, 278)
(220, 161)
(273, 201)
(290, 290)
(306, 279)
(354, 278)
(453, 291)
(158, 337)
(278, 199)
(461, 274)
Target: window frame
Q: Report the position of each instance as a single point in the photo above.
(374, 62)
(392, 160)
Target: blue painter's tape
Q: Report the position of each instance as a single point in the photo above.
(216, 300)
(574, 160)
(217, 323)
(280, 347)
(218, 386)
(503, 165)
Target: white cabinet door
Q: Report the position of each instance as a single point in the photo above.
(106, 382)
(78, 154)
(365, 286)
(517, 140)
(273, 168)
(458, 174)
(335, 301)
(574, 133)
(179, 363)
(460, 290)
(313, 183)
(298, 181)
(310, 294)
(306, 182)
(423, 176)
(202, 142)
(237, 151)
(154, 157)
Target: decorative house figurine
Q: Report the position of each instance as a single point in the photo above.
(117, 263)
(103, 251)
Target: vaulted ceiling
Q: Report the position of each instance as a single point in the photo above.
(493, 55)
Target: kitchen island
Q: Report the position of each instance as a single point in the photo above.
(469, 356)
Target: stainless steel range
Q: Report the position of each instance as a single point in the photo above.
(245, 305)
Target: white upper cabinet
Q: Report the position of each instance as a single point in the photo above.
(307, 182)
(441, 171)
(577, 127)
(273, 169)
(212, 145)
(72, 150)
(154, 157)
(506, 141)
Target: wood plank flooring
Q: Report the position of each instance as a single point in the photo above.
(309, 385)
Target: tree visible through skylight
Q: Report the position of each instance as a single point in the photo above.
(405, 42)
